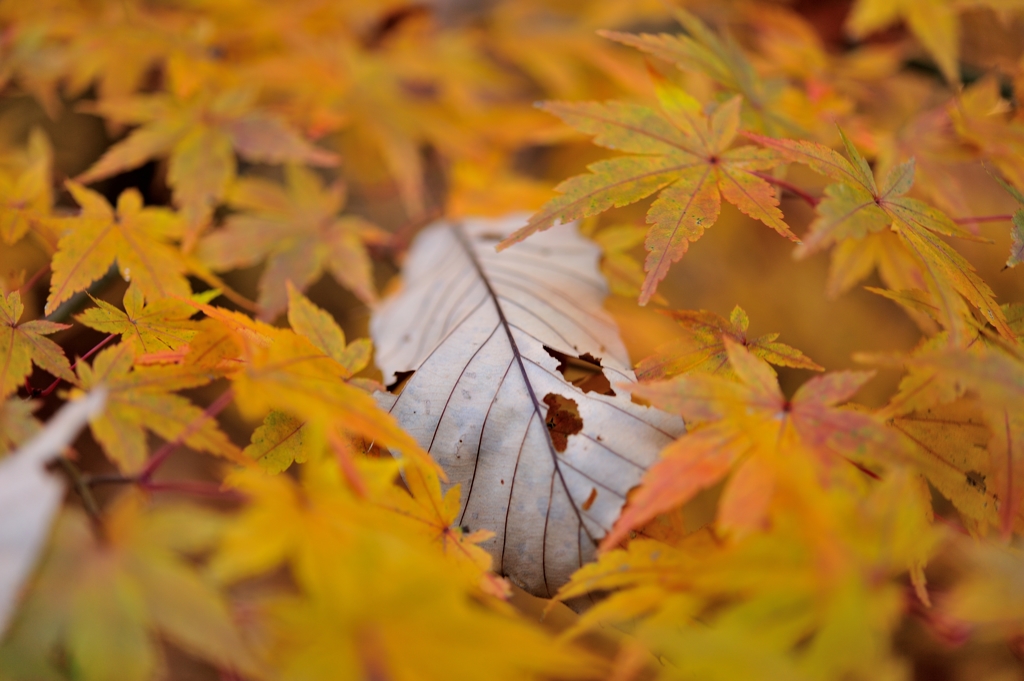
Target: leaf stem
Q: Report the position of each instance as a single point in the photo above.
(788, 186)
(81, 485)
(158, 458)
(96, 348)
(27, 286)
(983, 218)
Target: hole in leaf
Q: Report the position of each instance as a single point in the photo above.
(590, 499)
(976, 479)
(401, 379)
(584, 372)
(563, 419)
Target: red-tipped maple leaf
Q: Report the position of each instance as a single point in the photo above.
(745, 426)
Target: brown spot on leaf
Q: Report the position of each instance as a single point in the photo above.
(401, 379)
(583, 371)
(976, 479)
(563, 419)
(590, 499)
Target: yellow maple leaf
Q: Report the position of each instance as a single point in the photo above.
(933, 22)
(140, 399)
(23, 344)
(138, 239)
(299, 233)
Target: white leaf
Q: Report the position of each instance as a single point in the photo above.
(30, 496)
(473, 324)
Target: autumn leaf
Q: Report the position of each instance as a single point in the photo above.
(934, 23)
(17, 424)
(700, 50)
(487, 397)
(25, 344)
(141, 399)
(27, 192)
(702, 348)
(747, 424)
(136, 238)
(163, 324)
(107, 602)
(274, 369)
(998, 380)
(199, 134)
(951, 450)
(298, 231)
(687, 155)
(352, 561)
(856, 206)
(815, 607)
(30, 496)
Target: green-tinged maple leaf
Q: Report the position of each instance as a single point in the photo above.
(100, 605)
(25, 344)
(199, 135)
(162, 324)
(933, 22)
(1017, 231)
(822, 603)
(138, 239)
(748, 425)
(702, 348)
(17, 424)
(357, 564)
(26, 193)
(720, 59)
(298, 231)
(141, 399)
(685, 154)
(855, 206)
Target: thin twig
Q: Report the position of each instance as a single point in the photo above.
(196, 487)
(27, 286)
(158, 458)
(983, 218)
(95, 349)
(82, 488)
(790, 187)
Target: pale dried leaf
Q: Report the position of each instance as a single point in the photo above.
(474, 325)
(30, 496)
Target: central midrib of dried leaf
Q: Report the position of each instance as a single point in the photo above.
(538, 408)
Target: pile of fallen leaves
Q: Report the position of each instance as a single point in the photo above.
(209, 470)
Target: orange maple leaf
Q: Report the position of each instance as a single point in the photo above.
(685, 154)
(163, 324)
(745, 425)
